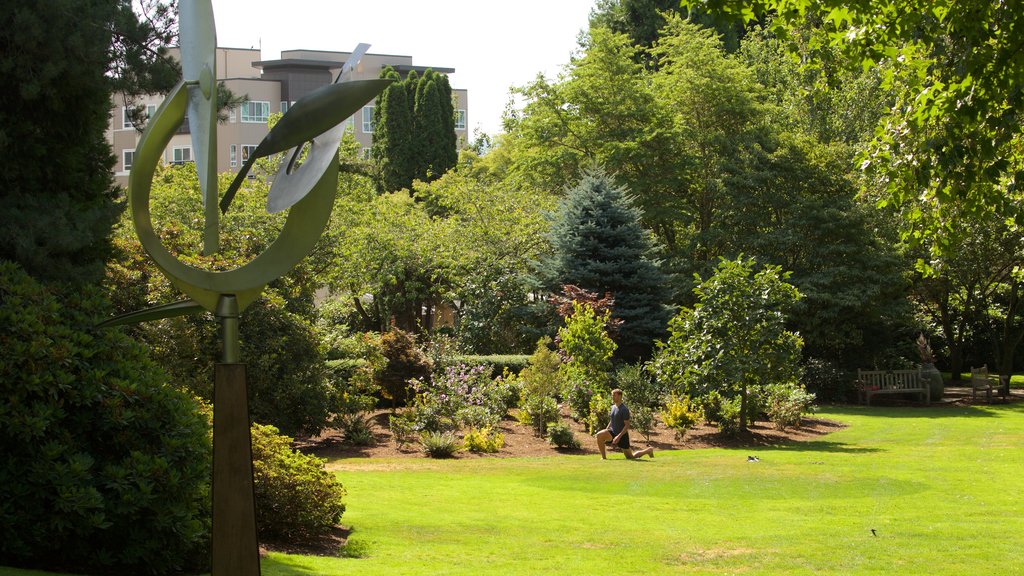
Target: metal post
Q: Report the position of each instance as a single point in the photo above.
(235, 545)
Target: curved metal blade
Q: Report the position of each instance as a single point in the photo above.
(180, 308)
(292, 185)
(198, 35)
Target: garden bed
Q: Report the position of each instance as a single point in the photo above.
(521, 442)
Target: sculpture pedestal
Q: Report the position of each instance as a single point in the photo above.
(235, 547)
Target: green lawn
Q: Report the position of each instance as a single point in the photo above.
(940, 486)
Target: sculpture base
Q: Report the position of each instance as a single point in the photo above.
(235, 546)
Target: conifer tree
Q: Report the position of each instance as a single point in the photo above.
(599, 245)
(393, 135)
(430, 138)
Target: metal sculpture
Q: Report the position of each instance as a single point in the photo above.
(306, 190)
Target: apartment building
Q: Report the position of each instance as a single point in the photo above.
(270, 86)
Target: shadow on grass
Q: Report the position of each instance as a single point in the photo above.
(827, 446)
(993, 410)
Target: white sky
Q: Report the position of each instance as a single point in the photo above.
(491, 45)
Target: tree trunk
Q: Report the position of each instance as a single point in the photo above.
(743, 408)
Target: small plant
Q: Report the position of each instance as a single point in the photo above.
(643, 421)
(484, 440)
(403, 428)
(562, 436)
(355, 430)
(440, 444)
(787, 403)
(599, 413)
(539, 413)
(680, 414)
(729, 417)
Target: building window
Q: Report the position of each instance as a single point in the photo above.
(460, 119)
(367, 119)
(126, 118)
(366, 152)
(150, 112)
(181, 154)
(232, 117)
(128, 157)
(255, 112)
(285, 105)
(234, 155)
(247, 149)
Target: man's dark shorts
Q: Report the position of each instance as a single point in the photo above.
(623, 442)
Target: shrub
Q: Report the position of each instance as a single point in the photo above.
(296, 497)
(404, 362)
(459, 396)
(729, 417)
(680, 414)
(403, 428)
(105, 466)
(542, 376)
(599, 413)
(638, 386)
(643, 421)
(786, 403)
(562, 436)
(586, 347)
(578, 395)
(440, 444)
(355, 429)
(497, 363)
(827, 381)
(483, 440)
(539, 412)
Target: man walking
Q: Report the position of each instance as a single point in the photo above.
(618, 430)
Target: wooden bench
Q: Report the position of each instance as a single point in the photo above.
(981, 380)
(872, 382)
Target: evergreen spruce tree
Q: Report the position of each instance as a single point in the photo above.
(429, 122)
(600, 245)
(393, 136)
(450, 152)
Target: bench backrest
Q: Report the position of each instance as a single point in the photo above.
(979, 376)
(890, 379)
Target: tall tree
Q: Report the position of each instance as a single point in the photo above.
(734, 340)
(430, 134)
(600, 245)
(392, 136)
(954, 136)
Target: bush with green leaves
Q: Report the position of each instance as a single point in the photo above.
(103, 461)
(827, 381)
(296, 497)
(585, 347)
(403, 427)
(643, 421)
(562, 436)
(786, 403)
(538, 412)
(599, 413)
(483, 440)
(440, 444)
(734, 340)
(457, 397)
(404, 362)
(680, 414)
(542, 375)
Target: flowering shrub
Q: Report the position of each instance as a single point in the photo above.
(458, 397)
(786, 403)
(562, 436)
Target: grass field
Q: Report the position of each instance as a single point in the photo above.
(939, 486)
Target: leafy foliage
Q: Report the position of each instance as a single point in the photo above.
(734, 339)
(440, 444)
(562, 436)
(600, 246)
(786, 403)
(483, 440)
(587, 352)
(103, 460)
(296, 497)
(680, 414)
